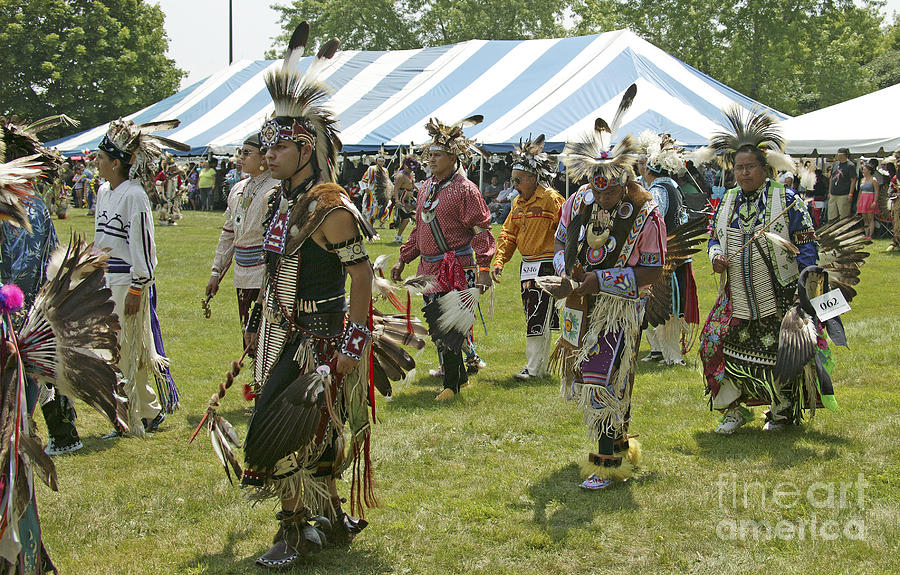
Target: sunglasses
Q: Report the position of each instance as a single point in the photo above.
(246, 152)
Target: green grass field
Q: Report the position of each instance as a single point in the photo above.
(489, 482)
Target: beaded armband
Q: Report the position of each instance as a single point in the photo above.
(350, 252)
(254, 319)
(354, 340)
(618, 281)
(650, 259)
(561, 233)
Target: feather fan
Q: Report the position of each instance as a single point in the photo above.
(451, 317)
(681, 243)
(70, 334)
(840, 252)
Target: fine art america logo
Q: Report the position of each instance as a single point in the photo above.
(836, 510)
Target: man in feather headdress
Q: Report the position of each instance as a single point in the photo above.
(311, 421)
(531, 228)
(123, 224)
(762, 236)
(452, 239)
(610, 245)
(661, 162)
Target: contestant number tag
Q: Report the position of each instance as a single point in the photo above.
(830, 305)
(530, 270)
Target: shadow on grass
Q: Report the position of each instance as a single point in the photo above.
(511, 382)
(659, 367)
(424, 399)
(96, 445)
(332, 560)
(560, 504)
(781, 446)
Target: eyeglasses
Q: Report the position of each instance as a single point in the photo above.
(246, 152)
(746, 167)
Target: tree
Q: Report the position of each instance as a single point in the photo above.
(93, 60)
(405, 24)
(358, 24)
(793, 55)
(449, 21)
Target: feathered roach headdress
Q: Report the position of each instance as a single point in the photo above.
(137, 146)
(300, 114)
(19, 139)
(751, 128)
(661, 152)
(451, 139)
(530, 157)
(593, 159)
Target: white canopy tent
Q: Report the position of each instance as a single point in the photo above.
(867, 125)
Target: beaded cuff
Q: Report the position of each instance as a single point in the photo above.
(559, 262)
(354, 340)
(650, 259)
(618, 281)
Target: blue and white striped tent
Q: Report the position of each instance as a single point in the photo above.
(556, 87)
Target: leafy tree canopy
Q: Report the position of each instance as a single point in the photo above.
(94, 60)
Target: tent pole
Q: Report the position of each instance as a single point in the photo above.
(567, 183)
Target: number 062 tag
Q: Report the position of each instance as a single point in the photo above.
(830, 305)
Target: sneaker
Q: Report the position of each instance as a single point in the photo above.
(523, 375)
(439, 372)
(398, 239)
(891, 248)
(653, 356)
(732, 420)
(774, 426)
(445, 395)
(674, 363)
(53, 449)
(153, 425)
(594, 483)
